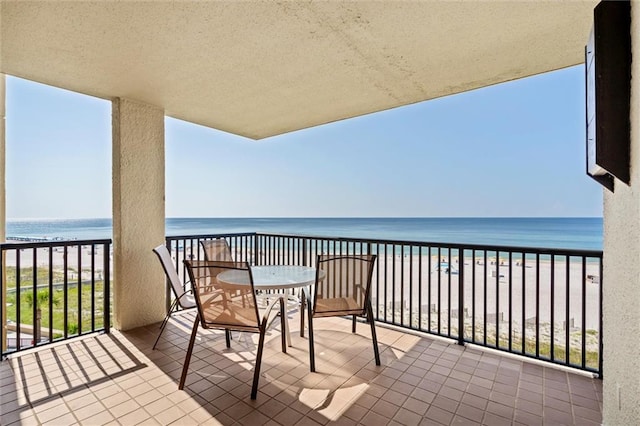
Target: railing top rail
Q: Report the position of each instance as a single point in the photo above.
(219, 235)
(463, 246)
(53, 243)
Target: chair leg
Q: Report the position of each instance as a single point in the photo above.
(256, 373)
(165, 321)
(312, 358)
(353, 325)
(187, 358)
(284, 326)
(227, 336)
(374, 338)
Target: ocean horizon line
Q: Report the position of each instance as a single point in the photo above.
(35, 219)
(552, 232)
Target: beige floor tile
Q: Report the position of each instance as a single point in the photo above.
(134, 417)
(124, 408)
(88, 410)
(420, 380)
(169, 415)
(22, 416)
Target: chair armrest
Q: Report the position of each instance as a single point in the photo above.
(361, 288)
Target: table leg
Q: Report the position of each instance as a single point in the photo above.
(303, 303)
(286, 322)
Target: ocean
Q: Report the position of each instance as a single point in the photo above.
(563, 233)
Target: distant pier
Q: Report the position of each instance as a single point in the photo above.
(35, 239)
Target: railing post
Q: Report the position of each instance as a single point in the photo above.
(255, 249)
(107, 288)
(304, 252)
(167, 284)
(460, 295)
(600, 296)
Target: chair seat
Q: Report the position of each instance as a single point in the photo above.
(338, 306)
(236, 318)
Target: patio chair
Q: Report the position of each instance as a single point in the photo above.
(343, 290)
(217, 249)
(229, 307)
(183, 297)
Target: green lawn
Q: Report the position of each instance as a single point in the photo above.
(57, 298)
(26, 276)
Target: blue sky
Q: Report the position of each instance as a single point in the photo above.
(514, 150)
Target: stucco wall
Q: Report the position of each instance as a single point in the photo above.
(138, 213)
(621, 367)
(3, 214)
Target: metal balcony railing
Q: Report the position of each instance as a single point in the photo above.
(53, 291)
(534, 302)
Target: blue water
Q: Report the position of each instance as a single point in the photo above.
(569, 233)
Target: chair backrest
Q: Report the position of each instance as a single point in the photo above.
(221, 303)
(346, 285)
(184, 299)
(217, 249)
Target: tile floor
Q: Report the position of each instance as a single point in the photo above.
(117, 379)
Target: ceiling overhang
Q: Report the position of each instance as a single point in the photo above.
(260, 69)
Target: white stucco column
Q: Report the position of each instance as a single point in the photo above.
(138, 213)
(621, 334)
(3, 192)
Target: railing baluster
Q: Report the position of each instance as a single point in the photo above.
(419, 288)
(567, 324)
(65, 293)
(34, 299)
(51, 295)
(439, 270)
(510, 303)
(79, 290)
(18, 301)
(93, 287)
(402, 307)
(583, 280)
(537, 305)
(411, 287)
(553, 308)
(485, 279)
(497, 299)
(448, 271)
(460, 295)
(524, 305)
(473, 296)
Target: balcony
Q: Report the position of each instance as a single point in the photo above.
(468, 335)
(102, 378)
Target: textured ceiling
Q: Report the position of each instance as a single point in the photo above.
(260, 69)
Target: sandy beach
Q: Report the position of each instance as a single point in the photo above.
(505, 288)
